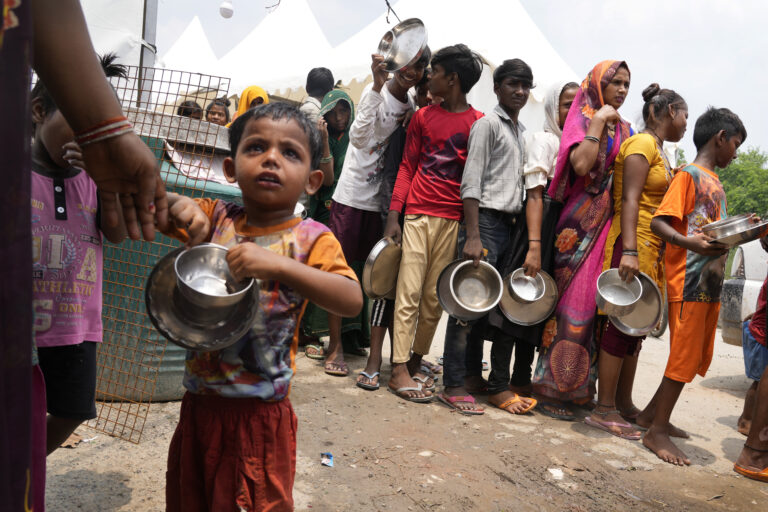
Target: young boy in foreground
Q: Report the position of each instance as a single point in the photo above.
(428, 185)
(235, 445)
(695, 267)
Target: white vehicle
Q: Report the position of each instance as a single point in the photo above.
(739, 297)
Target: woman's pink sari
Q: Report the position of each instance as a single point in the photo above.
(564, 370)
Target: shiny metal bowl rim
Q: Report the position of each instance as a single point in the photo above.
(490, 270)
(184, 285)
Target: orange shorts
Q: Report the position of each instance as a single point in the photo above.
(692, 327)
(232, 454)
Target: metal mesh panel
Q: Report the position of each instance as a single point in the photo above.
(189, 153)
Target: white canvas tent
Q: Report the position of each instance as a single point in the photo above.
(116, 26)
(191, 52)
(497, 29)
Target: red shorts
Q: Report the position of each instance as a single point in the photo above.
(692, 327)
(232, 454)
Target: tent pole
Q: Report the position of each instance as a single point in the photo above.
(148, 49)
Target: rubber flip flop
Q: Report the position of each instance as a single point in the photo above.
(546, 412)
(760, 476)
(368, 387)
(419, 400)
(423, 382)
(516, 399)
(342, 371)
(605, 425)
(314, 351)
(450, 401)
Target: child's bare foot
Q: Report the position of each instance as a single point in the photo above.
(657, 440)
(644, 420)
(476, 384)
(512, 402)
(522, 390)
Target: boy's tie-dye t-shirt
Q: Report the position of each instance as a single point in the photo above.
(695, 198)
(261, 364)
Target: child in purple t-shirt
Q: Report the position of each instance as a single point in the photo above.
(67, 266)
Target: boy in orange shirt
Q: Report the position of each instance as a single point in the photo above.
(694, 266)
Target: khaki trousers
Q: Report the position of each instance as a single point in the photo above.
(429, 245)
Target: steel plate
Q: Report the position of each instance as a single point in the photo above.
(381, 269)
(647, 312)
(535, 312)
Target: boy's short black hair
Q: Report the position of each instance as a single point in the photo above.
(275, 111)
(426, 56)
(108, 64)
(516, 69)
(319, 82)
(222, 102)
(459, 59)
(714, 120)
(189, 107)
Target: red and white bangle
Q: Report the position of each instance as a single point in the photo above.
(106, 129)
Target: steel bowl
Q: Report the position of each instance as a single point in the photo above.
(753, 231)
(525, 289)
(190, 326)
(403, 44)
(616, 297)
(467, 292)
(728, 227)
(203, 277)
(381, 269)
(647, 312)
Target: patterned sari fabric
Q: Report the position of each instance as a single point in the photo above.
(565, 369)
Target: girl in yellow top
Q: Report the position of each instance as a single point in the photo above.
(642, 174)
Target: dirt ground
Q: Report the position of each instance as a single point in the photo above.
(391, 455)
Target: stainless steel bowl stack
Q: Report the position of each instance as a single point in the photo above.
(194, 301)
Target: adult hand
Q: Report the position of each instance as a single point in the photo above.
(378, 69)
(73, 155)
(322, 127)
(607, 114)
(629, 267)
(473, 250)
(532, 263)
(392, 228)
(125, 165)
(188, 216)
(704, 245)
(249, 260)
(407, 118)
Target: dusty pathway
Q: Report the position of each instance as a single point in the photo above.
(394, 455)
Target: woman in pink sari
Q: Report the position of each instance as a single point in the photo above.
(593, 132)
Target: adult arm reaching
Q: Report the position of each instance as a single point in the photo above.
(123, 167)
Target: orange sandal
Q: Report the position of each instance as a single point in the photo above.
(515, 399)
